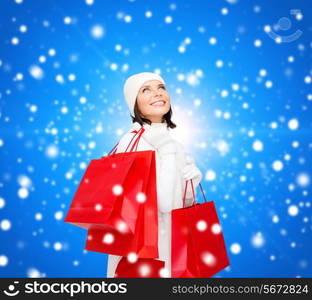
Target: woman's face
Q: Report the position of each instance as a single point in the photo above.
(153, 100)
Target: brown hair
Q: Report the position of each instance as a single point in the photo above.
(137, 117)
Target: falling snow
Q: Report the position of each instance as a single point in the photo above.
(241, 98)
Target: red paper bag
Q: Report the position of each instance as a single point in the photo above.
(107, 192)
(197, 246)
(144, 241)
(142, 268)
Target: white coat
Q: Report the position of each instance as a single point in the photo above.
(170, 188)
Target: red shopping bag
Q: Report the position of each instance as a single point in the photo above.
(100, 197)
(141, 268)
(144, 241)
(197, 245)
(107, 196)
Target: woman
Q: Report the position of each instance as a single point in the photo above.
(149, 103)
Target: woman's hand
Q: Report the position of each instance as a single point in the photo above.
(190, 171)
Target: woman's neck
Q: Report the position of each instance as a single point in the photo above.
(158, 124)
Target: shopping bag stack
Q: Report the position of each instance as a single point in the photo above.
(116, 201)
(197, 245)
(141, 268)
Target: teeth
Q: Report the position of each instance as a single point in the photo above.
(163, 102)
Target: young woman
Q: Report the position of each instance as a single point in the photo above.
(149, 104)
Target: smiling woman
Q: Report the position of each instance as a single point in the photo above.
(149, 104)
(153, 104)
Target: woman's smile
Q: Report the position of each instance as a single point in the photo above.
(159, 103)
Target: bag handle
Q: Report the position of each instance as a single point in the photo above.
(114, 149)
(193, 192)
(135, 144)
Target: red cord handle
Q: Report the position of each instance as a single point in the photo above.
(193, 192)
(135, 144)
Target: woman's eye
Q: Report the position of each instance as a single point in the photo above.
(161, 87)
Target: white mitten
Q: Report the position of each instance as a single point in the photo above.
(190, 171)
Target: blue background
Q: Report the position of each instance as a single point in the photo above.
(60, 108)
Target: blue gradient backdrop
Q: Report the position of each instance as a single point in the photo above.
(242, 102)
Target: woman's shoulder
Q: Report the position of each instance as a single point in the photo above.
(129, 137)
(124, 141)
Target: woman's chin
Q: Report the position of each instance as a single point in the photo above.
(160, 111)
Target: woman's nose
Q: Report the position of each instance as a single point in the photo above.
(156, 92)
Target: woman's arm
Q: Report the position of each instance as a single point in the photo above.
(166, 180)
(188, 160)
(166, 168)
(159, 139)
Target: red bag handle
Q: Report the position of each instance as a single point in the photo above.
(193, 192)
(113, 149)
(135, 144)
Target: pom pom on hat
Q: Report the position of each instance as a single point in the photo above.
(133, 85)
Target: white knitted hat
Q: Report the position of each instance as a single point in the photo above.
(133, 85)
